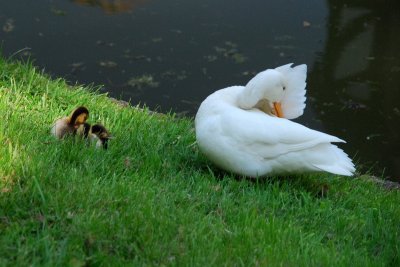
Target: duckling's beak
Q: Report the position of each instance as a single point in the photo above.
(278, 109)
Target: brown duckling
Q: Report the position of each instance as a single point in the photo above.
(96, 132)
(69, 125)
(101, 134)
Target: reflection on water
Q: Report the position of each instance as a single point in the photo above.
(171, 54)
(112, 6)
(359, 72)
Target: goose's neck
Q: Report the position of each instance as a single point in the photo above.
(252, 94)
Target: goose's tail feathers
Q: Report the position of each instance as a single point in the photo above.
(338, 161)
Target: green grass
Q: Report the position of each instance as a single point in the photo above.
(153, 199)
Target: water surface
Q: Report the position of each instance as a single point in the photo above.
(171, 54)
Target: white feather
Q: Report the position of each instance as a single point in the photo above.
(249, 142)
(293, 103)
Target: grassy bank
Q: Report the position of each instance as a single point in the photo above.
(152, 199)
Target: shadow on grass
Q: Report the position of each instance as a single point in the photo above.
(310, 183)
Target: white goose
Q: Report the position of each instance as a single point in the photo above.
(246, 129)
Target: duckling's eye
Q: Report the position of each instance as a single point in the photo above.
(284, 88)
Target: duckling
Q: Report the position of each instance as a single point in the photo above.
(69, 125)
(96, 132)
(101, 133)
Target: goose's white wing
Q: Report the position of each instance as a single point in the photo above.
(270, 137)
(293, 103)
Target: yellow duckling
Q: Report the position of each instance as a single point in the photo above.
(69, 125)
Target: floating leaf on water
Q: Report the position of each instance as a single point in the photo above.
(231, 44)
(175, 75)
(231, 52)
(328, 104)
(100, 42)
(284, 38)
(249, 73)
(141, 57)
(181, 76)
(77, 64)
(351, 104)
(372, 136)
(9, 25)
(143, 81)
(112, 6)
(311, 99)
(108, 64)
(284, 47)
(176, 31)
(211, 58)
(239, 58)
(58, 12)
(220, 49)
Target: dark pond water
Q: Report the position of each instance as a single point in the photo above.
(171, 54)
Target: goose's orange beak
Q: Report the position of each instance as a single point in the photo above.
(278, 109)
